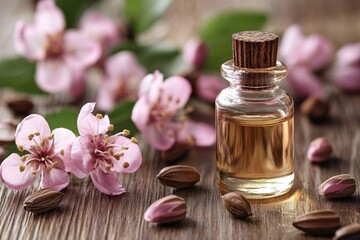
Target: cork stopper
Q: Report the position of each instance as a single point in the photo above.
(252, 49)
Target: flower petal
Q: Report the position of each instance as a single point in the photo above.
(124, 68)
(150, 86)
(140, 113)
(347, 78)
(48, 17)
(63, 138)
(304, 82)
(88, 124)
(56, 179)
(79, 155)
(315, 53)
(159, 138)
(107, 182)
(11, 175)
(53, 75)
(348, 55)
(209, 86)
(176, 93)
(291, 44)
(80, 51)
(132, 159)
(100, 28)
(33, 123)
(202, 133)
(29, 42)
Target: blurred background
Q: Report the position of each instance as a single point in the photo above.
(337, 20)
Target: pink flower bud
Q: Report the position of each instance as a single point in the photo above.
(169, 209)
(319, 150)
(338, 186)
(195, 52)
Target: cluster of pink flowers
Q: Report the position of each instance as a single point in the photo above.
(304, 55)
(52, 154)
(63, 56)
(161, 116)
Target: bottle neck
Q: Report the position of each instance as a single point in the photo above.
(254, 80)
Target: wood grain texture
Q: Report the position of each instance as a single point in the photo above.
(252, 49)
(85, 213)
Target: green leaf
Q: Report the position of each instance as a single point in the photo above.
(63, 118)
(217, 32)
(141, 14)
(121, 117)
(73, 9)
(162, 57)
(11, 149)
(18, 73)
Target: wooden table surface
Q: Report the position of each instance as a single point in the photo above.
(85, 213)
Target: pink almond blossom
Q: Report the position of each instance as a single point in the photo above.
(58, 53)
(102, 29)
(123, 74)
(304, 55)
(47, 153)
(161, 117)
(346, 72)
(102, 156)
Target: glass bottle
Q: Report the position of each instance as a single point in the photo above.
(254, 121)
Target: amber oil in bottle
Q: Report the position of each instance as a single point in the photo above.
(254, 121)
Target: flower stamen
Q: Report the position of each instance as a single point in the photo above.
(111, 127)
(20, 147)
(126, 165)
(43, 141)
(108, 166)
(99, 116)
(134, 140)
(125, 132)
(117, 155)
(22, 168)
(23, 158)
(111, 151)
(30, 137)
(51, 136)
(48, 168)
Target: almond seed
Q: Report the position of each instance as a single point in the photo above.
(236, 204)
(179, 176)
(318, 222)
(348, 232)
(43, 200)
